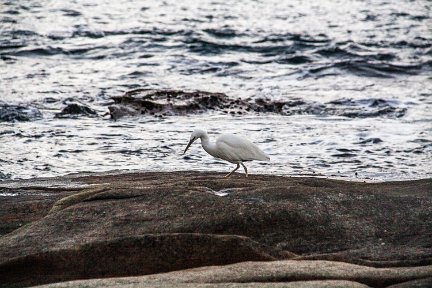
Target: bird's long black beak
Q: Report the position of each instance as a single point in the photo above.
(189, 144)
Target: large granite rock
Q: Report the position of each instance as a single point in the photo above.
(98, 226)
(299, 272)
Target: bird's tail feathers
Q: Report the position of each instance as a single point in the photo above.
(263, 157)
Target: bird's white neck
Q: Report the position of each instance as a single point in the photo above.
(208, 146)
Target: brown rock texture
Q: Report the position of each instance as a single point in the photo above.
(292, 229)
(330, 274)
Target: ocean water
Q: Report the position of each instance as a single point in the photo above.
(362, 69)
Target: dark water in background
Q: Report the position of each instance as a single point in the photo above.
(371, 55)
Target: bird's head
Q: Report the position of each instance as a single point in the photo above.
(194, 136)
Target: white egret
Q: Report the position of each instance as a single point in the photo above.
(229, 147)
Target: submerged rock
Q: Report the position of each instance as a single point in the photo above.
(176, 102)
(80, 227)
(10, 113)
(72, 110)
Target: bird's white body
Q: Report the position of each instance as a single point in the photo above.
(233, 148)
(229, 147)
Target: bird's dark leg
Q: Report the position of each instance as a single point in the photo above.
(244, 168)
(235, 169)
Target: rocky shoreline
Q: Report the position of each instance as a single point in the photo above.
(197, 229)
(170, 102)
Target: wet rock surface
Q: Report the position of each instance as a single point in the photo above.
(11, 113)
(172, 102)
(177, 102)
(292, 229)
(73, 110)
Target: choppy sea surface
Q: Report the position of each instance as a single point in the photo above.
(373, 57)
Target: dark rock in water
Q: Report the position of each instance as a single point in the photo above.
(171, 102)
(176, 102)
(10, 113)
(74, 110)
(147, 223)
(120, 110)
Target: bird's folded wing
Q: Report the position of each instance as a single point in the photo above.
(235, 148)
